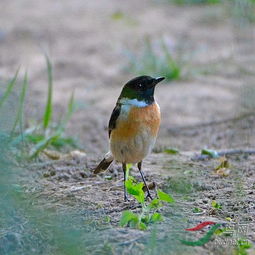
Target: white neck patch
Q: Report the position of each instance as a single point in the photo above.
(132, 102)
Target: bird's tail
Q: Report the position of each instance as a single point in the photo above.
(104, 164)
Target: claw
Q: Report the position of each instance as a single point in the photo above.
(126, 199)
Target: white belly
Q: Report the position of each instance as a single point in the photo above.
(132, 150)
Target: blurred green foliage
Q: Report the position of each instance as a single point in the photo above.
(241, 247)
(44, 134)
(154, 59)
(25, 228)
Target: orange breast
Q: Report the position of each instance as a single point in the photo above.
(138, 118)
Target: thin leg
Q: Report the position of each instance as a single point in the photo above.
(139, 165)
(124, 167)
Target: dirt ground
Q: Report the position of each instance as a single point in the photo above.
(207, 108)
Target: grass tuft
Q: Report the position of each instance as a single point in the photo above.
(46, 133)
(154, 60)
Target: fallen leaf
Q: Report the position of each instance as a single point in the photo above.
(223, 172)
(54, 155)
(223, 163)
(223, 168)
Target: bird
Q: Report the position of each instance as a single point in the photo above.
(133, 126)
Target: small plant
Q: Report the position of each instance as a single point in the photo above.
(197, 210)
(148, 214)
(45, 134)
(242, 246)
(155, 60)
(48, 133)
(215, 205)
(172, 151)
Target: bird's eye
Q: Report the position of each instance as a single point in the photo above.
(140, 85)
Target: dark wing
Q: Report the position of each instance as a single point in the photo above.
(113, 119)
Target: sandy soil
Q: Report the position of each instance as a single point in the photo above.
(87, 48)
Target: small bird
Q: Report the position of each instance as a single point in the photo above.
(133, 126)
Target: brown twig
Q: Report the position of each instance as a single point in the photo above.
(225, 153)
(210, 123)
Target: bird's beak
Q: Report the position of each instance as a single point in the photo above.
(159, 79)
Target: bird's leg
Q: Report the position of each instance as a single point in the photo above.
(124, 167)
(139, 165)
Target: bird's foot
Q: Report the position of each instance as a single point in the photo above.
(126, 199)
(149, 195)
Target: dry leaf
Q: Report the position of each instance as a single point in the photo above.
(223, 168)
(54, 155)
(223, 172)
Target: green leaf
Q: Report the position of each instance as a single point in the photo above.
(156, 217)
(196, 210)
(145, 219)
(220, 231)
(215, 205)
(171, 151)
(127, 217)
(142, 226)
(243, 244)
(164, 196)
(211, 153)
(48, 108)
(135, 190)
(154, 204)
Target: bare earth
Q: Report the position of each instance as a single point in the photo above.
(87, 47)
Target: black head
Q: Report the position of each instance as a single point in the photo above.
(141, 88)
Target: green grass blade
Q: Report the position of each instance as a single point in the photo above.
(40, 146)
(62, 141)
(9, 88)
(48, 109)
(21, 104)
(24, 136)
